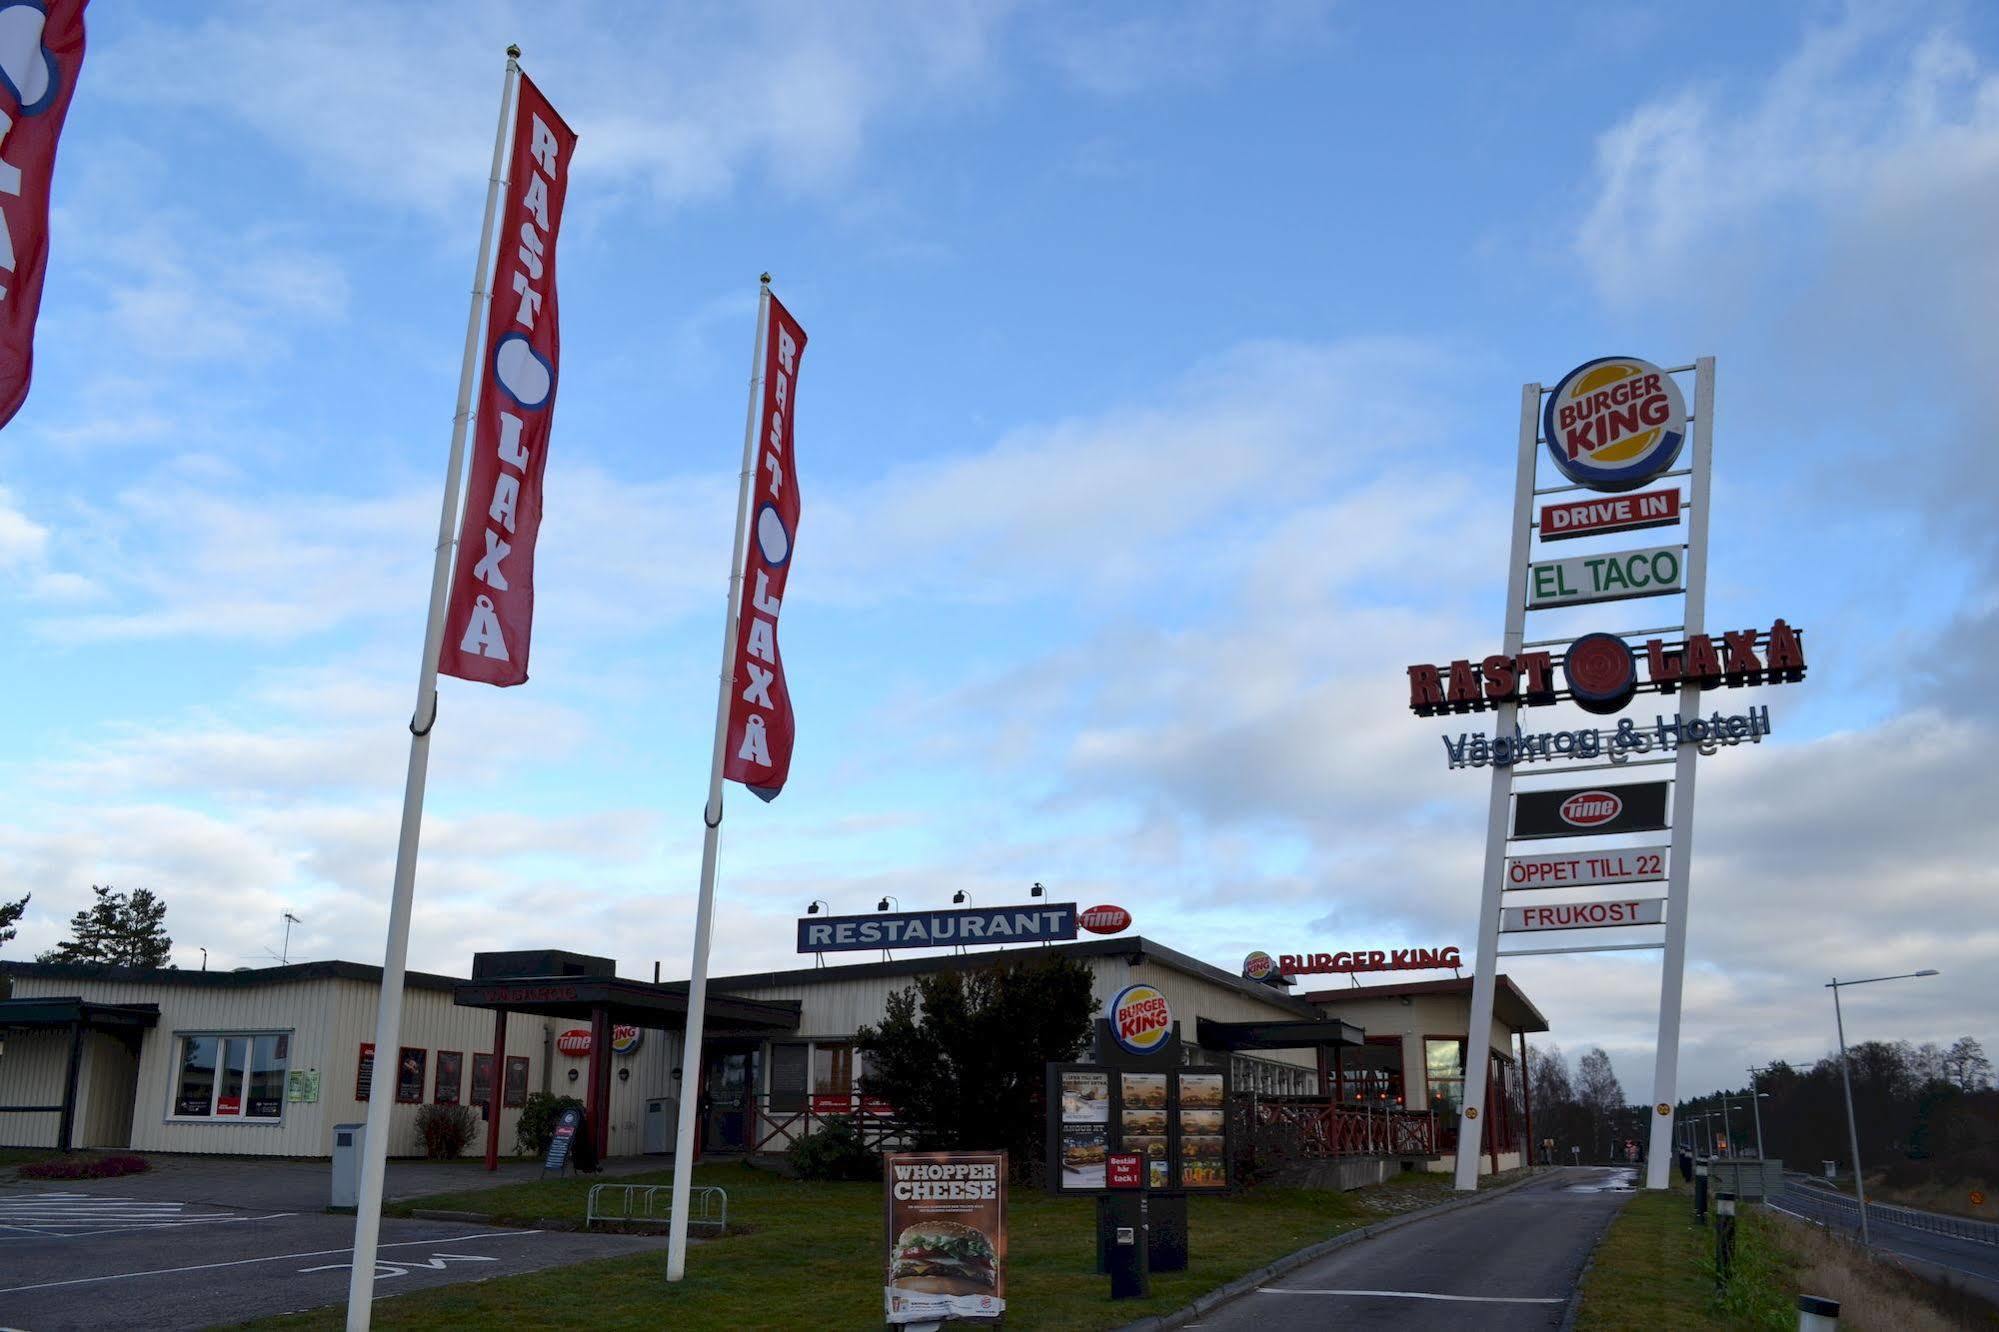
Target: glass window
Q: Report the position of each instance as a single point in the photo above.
(232, 1076)
(1372, 1073)
(1444, 1069)
(787, 1075)
(196, 1092)
(833, 1070)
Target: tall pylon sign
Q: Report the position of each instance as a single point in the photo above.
(1590, 823)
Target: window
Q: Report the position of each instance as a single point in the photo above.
(832, 1070)
(234, 1076)
(1444, 1071)
(450, 1077)
(1372, 1073)
(788, 1063)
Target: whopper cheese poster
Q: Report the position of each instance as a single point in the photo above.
(946, 1236)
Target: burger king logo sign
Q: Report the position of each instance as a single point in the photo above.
(1614, 423)
(1258, 966)
(1140, 1019)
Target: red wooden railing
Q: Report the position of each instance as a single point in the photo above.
(773, 1130)
(1315, 1128)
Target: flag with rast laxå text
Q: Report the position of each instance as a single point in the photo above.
(758, 752)
(41, 54)
(491, 611)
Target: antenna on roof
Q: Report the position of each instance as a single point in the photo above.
(284, 957)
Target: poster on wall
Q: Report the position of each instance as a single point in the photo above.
(302, 1086)
(515, 1093)
(482, 1079)
(409, 1075)
(946, 1236)
(450, 1077)
(364, 1071)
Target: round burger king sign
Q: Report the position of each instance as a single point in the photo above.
(1141, 1019)
(1614, 423)
(1258, 966)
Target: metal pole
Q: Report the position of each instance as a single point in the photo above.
(389, 1011)
(1727, 1133)
(1478, 1029)
(1754, 1099)
(1852, 1129)
(1672, 974)
(704, 909)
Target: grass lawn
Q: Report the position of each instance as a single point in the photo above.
(811, 1255)
(1655, 1268)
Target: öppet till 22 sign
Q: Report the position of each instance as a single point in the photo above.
(1614, 423)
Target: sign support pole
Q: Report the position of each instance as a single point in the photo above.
(1478, 1031)
(1665, 1069)
(711, 814)
(395, 955)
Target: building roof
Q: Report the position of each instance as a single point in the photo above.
(33, 1014)
(1509, 1003)
(634, 1003)
(1137, 948)
(247, 978)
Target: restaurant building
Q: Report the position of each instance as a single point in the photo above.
(266, 1061)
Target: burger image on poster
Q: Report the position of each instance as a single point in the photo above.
(943, 1258)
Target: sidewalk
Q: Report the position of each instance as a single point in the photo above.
(270, 1184)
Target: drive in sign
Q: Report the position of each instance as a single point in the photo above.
(1582, 869)
(1610, 513)
(1619, 575)
(1584, 915)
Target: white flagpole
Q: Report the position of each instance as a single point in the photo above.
(389, 1014)
(711, 814)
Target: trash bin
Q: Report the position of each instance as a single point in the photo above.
(347, 1140)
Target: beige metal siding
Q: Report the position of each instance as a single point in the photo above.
(31, 1073)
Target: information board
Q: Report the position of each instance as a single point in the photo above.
(1175, 1120)
(563, 1139)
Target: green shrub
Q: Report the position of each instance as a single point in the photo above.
(834, 1152)
(537, 1126)
(446, 1130)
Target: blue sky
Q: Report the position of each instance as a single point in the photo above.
(1159, 408)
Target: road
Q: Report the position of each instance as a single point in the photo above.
(1507, 1263)
(97, 1259)
(1964, 1261)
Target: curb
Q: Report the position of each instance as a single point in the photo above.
(1290, 1262)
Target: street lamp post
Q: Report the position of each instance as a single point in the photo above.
(1754, 1097)
(1727, 1133)
(1846, 1080)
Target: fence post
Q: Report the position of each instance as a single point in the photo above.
(1724, 1238)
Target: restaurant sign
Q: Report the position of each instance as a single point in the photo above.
(1473, 749)
(932, 929)
(1612, 513)
(1589, 810)
(1731, 658)
(1616, 576)
(1583, 915)
(1399, 959)
(946, 1237)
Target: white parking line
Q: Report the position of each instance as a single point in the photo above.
(1419, 1295)
(87, 1215)
(245, 1262)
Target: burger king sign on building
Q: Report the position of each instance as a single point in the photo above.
(1140, 1018)
(1614, 423)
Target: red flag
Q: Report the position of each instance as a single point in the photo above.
(41, 54)
(758, 752)
(491, 611)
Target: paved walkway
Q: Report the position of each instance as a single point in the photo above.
(274, 1184)
(1508, 1263)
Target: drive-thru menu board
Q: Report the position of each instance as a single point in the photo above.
(1177, 1120)
(946, 1237)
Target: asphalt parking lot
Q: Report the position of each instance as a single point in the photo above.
(97, 1256)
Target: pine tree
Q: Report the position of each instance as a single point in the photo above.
(10, 918)
(123, 929)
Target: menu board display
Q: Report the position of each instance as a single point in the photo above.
(1176, 1122)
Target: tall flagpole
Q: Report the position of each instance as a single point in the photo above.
(711, 814)
(389, 1015)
